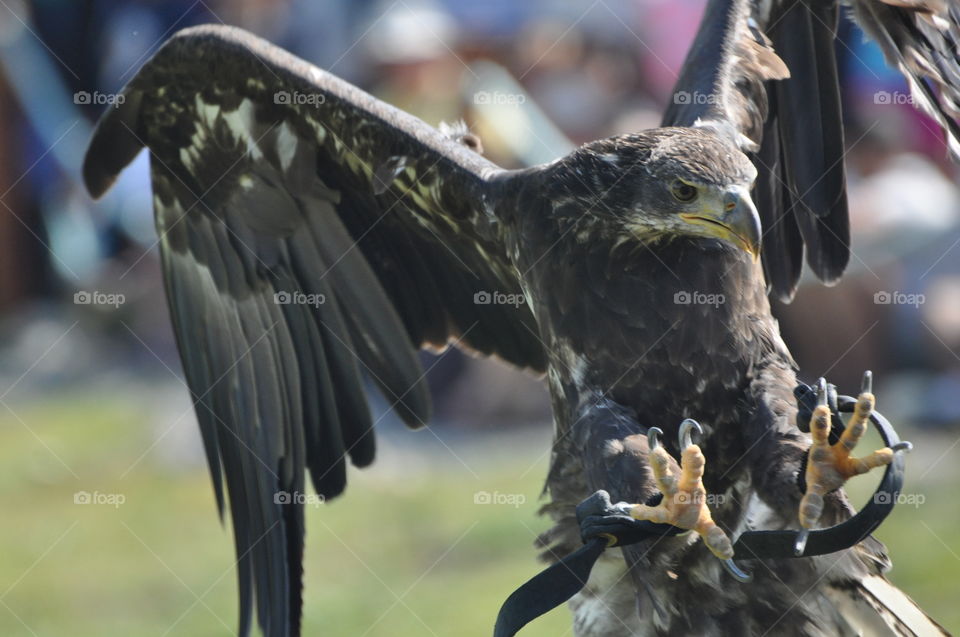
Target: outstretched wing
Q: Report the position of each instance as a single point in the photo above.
(733, 81)
(310, 235)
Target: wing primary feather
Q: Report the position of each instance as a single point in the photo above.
(323, 420)
(707, 67)
(921, 40)
(294, 365)
(378, 333)
(117, 140)
(277, 387)
(196, 368)
(810, 117)
(811, 138)
(348, 404)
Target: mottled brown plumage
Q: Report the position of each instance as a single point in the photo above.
(311, 234)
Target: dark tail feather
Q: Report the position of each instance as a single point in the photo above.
(873, 606)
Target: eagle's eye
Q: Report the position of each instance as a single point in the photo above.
(682, 191)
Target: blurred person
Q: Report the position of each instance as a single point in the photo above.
(665, 29)
(413, 49)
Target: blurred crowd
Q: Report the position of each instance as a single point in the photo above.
(531, 79)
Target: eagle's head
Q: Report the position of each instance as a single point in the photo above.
(667, 183)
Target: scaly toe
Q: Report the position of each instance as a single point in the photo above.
(718, 543)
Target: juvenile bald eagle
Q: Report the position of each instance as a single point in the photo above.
(311, 234)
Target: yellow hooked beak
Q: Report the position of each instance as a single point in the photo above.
(733, 218)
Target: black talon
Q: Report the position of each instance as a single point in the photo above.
(822, 397)
(653, 437)
(903, 445)
(800, 545)
(686, 439)
(866, 385)
(734, 570)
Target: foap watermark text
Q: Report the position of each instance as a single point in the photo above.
(296, 98)
(299, 298)
(498, 298)
(98, 498)
(898, 298)
(499, 98)
(692, 297)
(295, 497)
(516, 500)
(96, 297)
(99, 99)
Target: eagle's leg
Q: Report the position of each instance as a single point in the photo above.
(830, 466)
(684, 502)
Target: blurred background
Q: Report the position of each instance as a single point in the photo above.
(109, 524)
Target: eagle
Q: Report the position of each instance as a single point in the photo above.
(312, 236)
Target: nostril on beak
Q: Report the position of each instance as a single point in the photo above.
(730, 206)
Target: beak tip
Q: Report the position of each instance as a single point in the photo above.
(739, 223)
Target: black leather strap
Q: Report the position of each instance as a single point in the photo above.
(604, 524)
(548, 589)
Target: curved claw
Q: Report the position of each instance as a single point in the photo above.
(686, 439)
(734, 570)
(653, 437)
(822, 391)
(903, 445)
(800, 545)
(866, 385)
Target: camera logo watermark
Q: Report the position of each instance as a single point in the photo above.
(498, 298)
(499, 98)
(96, 297)
(685, 297)
(898, 298)
(286, 497)
(296, 98)
(516, 500)
(896, 97)
(99, 99)
(109, 499)
(299, 298)
(910, 499)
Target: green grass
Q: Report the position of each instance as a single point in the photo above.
(407, 552)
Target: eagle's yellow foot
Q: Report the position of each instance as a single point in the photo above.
(684, 503)
(830, 466)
